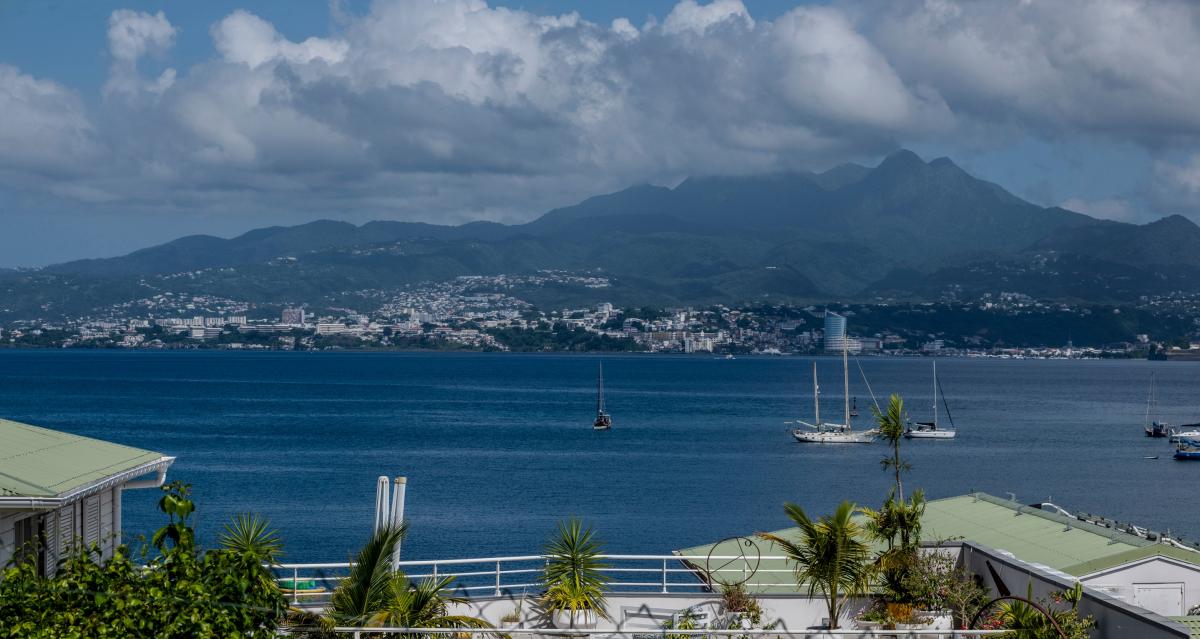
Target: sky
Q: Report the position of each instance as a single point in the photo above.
(126, 124)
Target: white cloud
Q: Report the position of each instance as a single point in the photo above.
(1120, 68)
(44, 129)
(688, 15)
(132, 34)
(454, 109)
(246, 38)
(1119, 209)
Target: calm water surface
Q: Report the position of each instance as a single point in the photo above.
(497, 447)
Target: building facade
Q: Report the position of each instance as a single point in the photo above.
(836, 338)
(58, 490)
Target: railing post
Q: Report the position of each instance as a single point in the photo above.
(295, 586)
(497, 578)
(664, 577)
(435, 571)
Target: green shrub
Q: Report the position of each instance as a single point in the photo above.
(180, 591)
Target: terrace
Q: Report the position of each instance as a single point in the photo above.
(1007, 548)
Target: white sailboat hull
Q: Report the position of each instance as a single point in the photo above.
(930, 434)
(833, 434)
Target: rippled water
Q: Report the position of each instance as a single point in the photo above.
(497, 447)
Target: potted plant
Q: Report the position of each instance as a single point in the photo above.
(740, 611)
(511, 619)
(573, 578)
(944, 590)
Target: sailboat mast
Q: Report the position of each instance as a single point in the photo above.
(1150, 398)
(846, 381)
(816, 397)
(600, 390)
(935, 385)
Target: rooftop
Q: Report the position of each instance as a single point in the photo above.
(39, 462)
(1054, 541)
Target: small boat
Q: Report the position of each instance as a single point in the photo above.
(820, 432)
(854, 407)
(1150, 457)
(1154, 428)
(931, 430)
(1188, 452)
(603, 419)
(1184, 432)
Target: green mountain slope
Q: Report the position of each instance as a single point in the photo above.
(905, 229)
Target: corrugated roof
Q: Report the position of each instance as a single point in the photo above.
(39, 462)
(1191, 622)
(1032, 535)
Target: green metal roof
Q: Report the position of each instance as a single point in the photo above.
(1191, 622)
(1032, 535)
(39, 462)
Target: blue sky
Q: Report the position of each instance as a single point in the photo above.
(131, 123)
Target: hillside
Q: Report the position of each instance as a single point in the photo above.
(906, 229)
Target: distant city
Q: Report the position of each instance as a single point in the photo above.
(483, 313)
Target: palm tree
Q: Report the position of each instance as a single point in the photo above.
(573, 574)
(373, 595)
(830, 556)
(249, 534)
(891, 429)
(898, 526)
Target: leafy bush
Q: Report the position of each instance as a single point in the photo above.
(181, 591)
(937, 582)
(1027, 622)
(741, 611)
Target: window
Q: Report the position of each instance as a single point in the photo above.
(30, 541)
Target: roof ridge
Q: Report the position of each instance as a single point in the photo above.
(1025, 509)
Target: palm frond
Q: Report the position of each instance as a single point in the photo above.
(364, 593)
(251, 534)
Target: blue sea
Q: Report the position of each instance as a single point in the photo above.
(498, 447)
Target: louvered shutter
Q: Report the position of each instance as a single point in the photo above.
(91, 520)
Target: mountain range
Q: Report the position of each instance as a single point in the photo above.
(906, 229)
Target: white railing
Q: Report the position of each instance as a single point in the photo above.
(356, 632)
(498, 576)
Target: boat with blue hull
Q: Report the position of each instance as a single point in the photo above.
(1189, 451)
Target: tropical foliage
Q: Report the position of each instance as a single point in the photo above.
(830, 557)
(573, 574)
(898, 522)
(892, 423)
(175, 589)
(1027, 622)
(938, 582)
(373, 595)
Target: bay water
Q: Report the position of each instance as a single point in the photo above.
(498, 447)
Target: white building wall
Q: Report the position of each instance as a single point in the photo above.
(1131, 583)
(1115, 619)
(94, 519)
(648, 611)
(8, 535)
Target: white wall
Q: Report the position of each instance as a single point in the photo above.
(95, 518)
(648, 611)
(1120, 582)
(1115, 619)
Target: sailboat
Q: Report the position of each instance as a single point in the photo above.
(931, 430)
(1154, 428)
(820, 432)
(603, 419)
